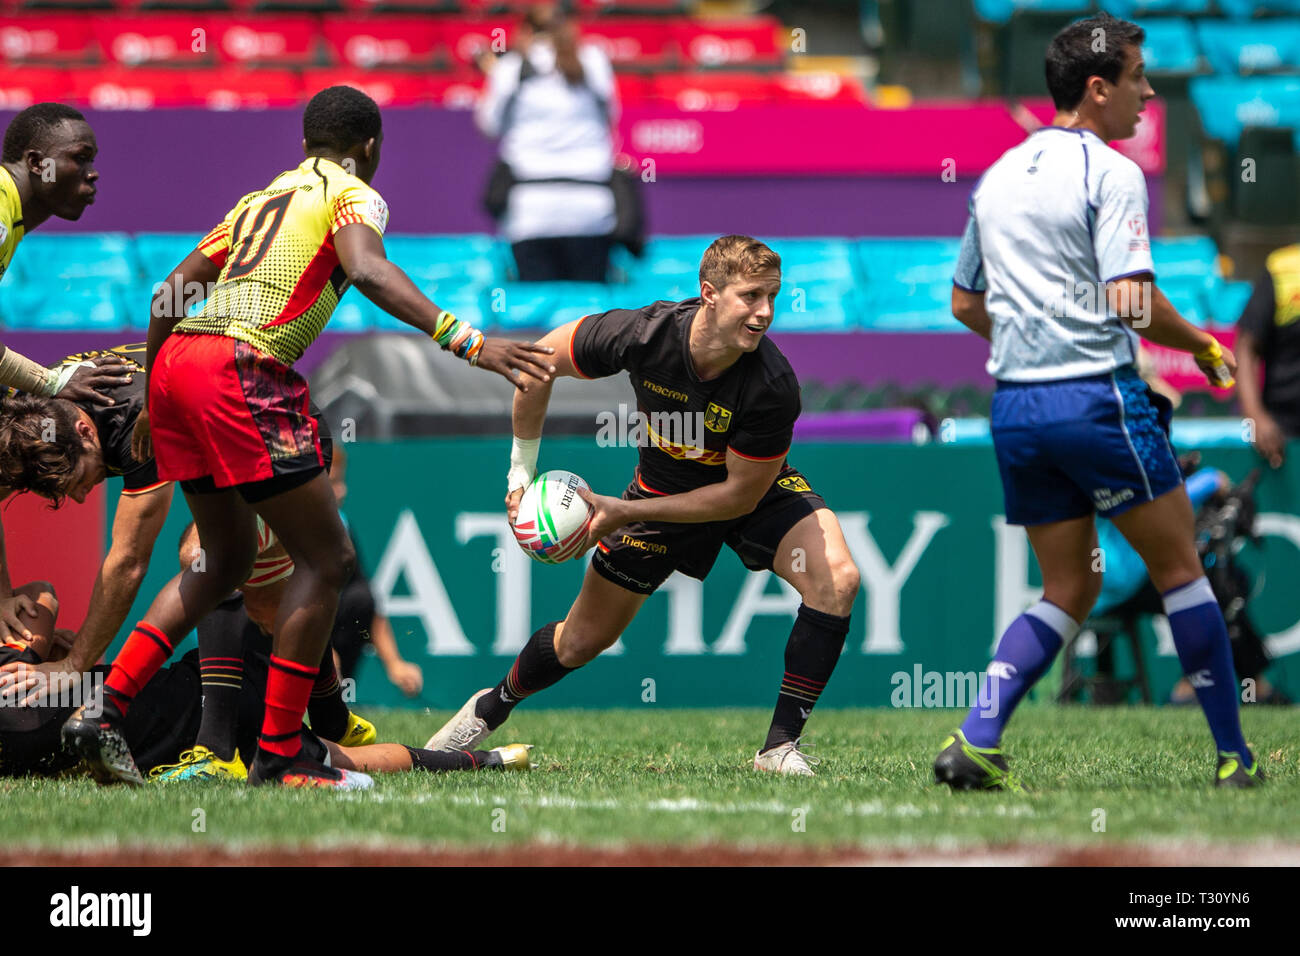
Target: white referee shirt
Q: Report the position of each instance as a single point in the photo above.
(554, 131)
(1052, 221)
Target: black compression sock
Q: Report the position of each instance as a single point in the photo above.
(536, 668)
(326, 710)
(221, 669)
(816, 641)
(438, 761)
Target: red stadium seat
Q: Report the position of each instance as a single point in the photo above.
(53, 38)
(233, 88)
(292, 6)
(730, 43)
(589, 8)
(383, 41)
(123, 88)
(21, 87)
(155, 39)
(464, 39)
(820, 87)
(632, 88)
(712, 91)
(385, 87)
(455, 91)
(277, 41)
(633, 42)
(402, 6)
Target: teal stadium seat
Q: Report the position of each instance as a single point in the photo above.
(676, 258)
(470, 259)
(90, 256)
(355, 313)
(547, 305)
(457, 295)
(1189, 300)
(909, 261)
(1170, 47)
(806, 261)
(817, 307)
(900, 307)
(1230, 301)
(1246, 9)
(1228, 103)
(83, 308)
(1260, 46)
(1132, 9)
(160, 252)
(1000, 11)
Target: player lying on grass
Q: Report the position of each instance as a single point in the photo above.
(47, 169)
(165, 723)
(708, 357)
(58, 449)
(228, 418)
(1075, 430)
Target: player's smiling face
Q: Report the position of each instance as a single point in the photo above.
(72, 147)
(745, 308)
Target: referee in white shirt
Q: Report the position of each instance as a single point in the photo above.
(551, 103)
(1056, 272)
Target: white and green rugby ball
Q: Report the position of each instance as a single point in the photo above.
(553, 519)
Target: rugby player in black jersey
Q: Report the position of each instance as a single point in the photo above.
(706, 357)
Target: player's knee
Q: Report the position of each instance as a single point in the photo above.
(834, 590)
(42, 592)
(577, 646)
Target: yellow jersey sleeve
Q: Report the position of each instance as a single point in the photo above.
(216, 244)
(11, 220)
(357, 202)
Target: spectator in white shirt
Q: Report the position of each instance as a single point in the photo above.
(551, 102)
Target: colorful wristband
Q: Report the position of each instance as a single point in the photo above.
(459, 338)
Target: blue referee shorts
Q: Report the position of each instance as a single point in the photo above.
(1076, 446)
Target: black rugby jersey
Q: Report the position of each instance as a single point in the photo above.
(687, 425)
(115, 423)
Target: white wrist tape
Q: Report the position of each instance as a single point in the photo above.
(66, 372)
(523, 463)
(25, 375)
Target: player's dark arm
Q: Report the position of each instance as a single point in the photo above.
(361, 254)
(968, 309)
(1139, 302)
(746, 483)
(136, 526)
(1266, 434)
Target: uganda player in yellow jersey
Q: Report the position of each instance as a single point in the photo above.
(228, 418)
(48, 169)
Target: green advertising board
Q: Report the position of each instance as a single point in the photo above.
(941, 576)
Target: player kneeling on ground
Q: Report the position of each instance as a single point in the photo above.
(706, 357)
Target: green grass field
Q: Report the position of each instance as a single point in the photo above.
(682, 777)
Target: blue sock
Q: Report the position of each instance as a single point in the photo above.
(1024, 654)
(1201, 639)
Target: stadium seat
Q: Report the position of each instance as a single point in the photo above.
(1228, 103)
(402, 6)
(127, 88)
(236, 88)
(909, 261)
(816, 307)
(1133, 9)
(470, 259)
(671, 259)
(466, 300)
(270, 41)
(805, 261)
(1230, 301)
(354, 313)
(53, 38)
(392, 41)
(159, 252)
(1189, 299)
(594, 7)
(819, 87)
(901, 307)
(1189, 262)
(464, 39)
(1170, 47)
(20, 87)
(736, 43)
(96, 257)
(1251, 46)
(455, 92)
(155, 39)
(637, 43)
(385, 87)
(81, 308)
(546, 305)
(1000, 11)
(695, 92)
(1245, 9)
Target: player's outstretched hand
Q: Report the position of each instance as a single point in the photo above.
(610, 515)
(406, 677)
(141, 439)
(12, 626)
(516, 361)
(108, 371)
(31, 685)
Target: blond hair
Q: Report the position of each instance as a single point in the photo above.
(735, 257)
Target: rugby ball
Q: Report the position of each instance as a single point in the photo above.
(553, 519)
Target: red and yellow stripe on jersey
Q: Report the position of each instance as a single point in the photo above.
(272, 563)
(11, 219)
(280, 275)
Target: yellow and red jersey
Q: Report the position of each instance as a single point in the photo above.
(11, 219)
(280, 275)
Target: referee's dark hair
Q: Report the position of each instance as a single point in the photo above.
(1091, 47)
(338, 118)
(31, 128)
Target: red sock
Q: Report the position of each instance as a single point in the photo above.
(288, 689)
(142, 656)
